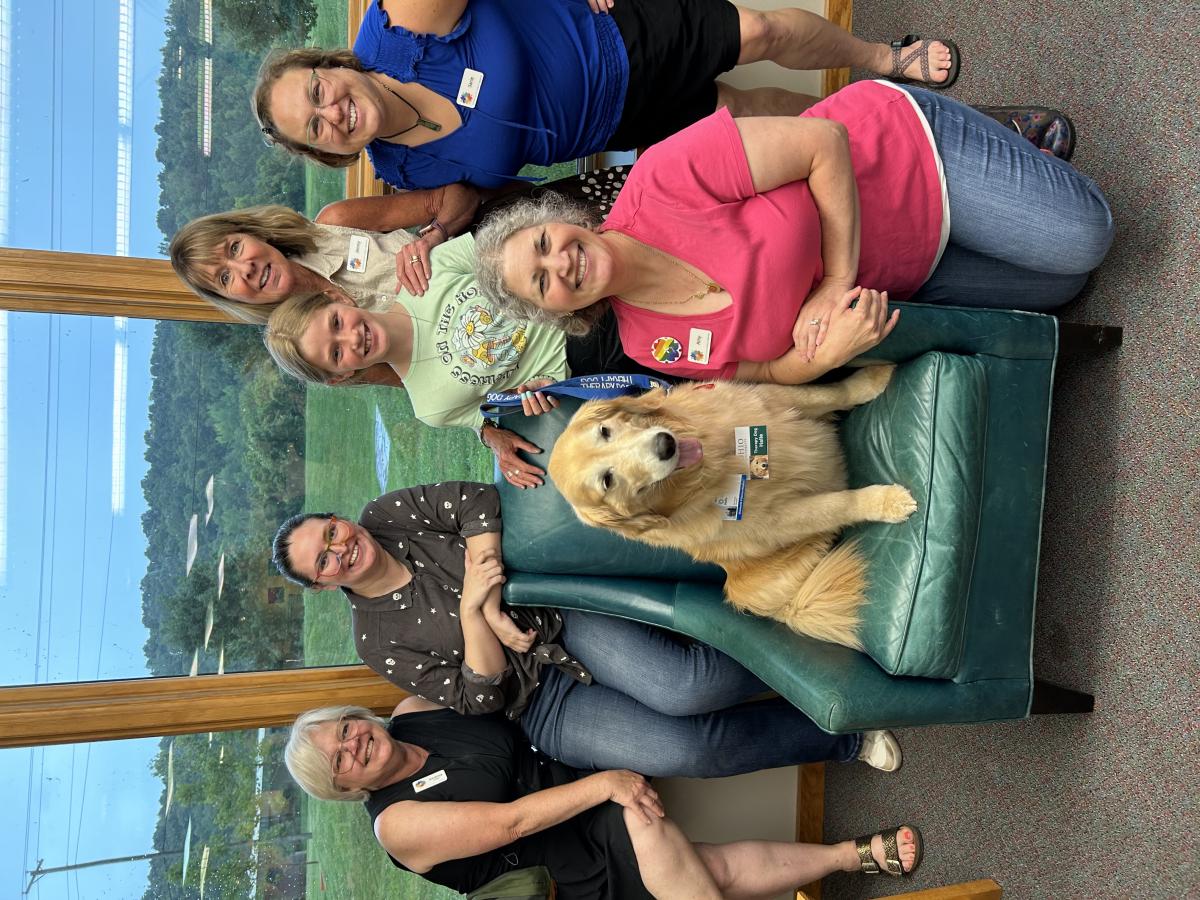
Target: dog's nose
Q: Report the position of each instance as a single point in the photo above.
(664, 445)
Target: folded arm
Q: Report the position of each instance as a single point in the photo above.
(422, 835)
(780, 150)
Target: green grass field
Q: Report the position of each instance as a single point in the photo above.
(340, 476)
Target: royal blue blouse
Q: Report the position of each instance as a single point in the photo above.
(553, 88)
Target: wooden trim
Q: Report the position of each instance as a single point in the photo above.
(148, 707)
(984, 889)
(810, 816)
(839, 12)
(50, 281)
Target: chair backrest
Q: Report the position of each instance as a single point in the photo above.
(542, 534)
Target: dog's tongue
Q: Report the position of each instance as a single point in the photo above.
(691, 451)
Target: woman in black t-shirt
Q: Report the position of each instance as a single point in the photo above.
(461, 800)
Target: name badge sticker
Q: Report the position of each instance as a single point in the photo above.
(356, 256)
(429, 781)
(468, 89)
(699, 345)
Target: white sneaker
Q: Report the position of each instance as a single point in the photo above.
(880, 750)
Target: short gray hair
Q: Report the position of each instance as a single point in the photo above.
(495, 232)
(312, 769)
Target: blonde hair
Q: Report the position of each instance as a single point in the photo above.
(276, 63)
(495, 232)
(309, 767)
(286, 326)
(194, 246)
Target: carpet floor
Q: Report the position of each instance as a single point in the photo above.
(1102, 805)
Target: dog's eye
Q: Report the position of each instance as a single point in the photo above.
(605, 434)
(606, 480)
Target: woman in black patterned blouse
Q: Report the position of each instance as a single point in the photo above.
(422, 572)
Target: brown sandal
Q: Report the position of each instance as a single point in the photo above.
(891, 852)
(900, 63)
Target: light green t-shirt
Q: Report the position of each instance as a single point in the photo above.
(463, 347)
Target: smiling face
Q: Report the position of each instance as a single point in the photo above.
(363, 755)
(623, 469)
(341, 339)
(336, 110)
(344, 550)
(559, 267)
(248, 270)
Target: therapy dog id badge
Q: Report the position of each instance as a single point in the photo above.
(356, 256)
(468, 90)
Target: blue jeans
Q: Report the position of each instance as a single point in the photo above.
(662, 708)
(1026, 228)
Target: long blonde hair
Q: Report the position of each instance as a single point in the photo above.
(194, 246)
(286, 326)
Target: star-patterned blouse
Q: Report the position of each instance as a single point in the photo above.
(412, 636)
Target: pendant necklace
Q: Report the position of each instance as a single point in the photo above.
(708, 287)
(421, 120)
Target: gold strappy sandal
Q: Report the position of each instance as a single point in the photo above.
(891, 852)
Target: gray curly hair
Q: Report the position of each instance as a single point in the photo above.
(495, 232)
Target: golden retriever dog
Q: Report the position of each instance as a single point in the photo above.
(650, 467)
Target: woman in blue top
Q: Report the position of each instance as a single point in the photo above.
(444, 92)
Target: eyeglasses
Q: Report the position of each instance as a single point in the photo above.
(316, 91)
(329, 563)
(343, 760)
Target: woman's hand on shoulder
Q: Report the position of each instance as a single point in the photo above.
(413, 266)
(505, 444)
(633, 791)
(600, 6)
(856, 327)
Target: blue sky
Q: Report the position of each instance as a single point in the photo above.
(72, 605)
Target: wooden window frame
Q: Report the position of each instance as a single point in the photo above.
(43, 714)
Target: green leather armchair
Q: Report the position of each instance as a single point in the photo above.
(948, 626)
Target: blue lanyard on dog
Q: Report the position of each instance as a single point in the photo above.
(583, 387)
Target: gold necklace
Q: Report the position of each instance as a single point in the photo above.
(709, 287)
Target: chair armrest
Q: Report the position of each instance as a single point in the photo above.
(840, 689)
(996, 332)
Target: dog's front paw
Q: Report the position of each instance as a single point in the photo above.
(897, 504)
(870, 381)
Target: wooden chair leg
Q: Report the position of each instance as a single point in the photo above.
(1049, 698)
(1086, 340)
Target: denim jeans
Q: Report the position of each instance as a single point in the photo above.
(1026, 228)
(663, 708)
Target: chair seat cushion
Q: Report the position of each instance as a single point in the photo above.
(926, 432)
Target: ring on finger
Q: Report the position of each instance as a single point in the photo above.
(814, 322)
(513, 473)
(414, 259)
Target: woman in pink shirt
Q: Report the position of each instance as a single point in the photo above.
(767, 249)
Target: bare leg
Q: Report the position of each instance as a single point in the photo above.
(752, 869)
(763, 101)
(668, 862)
(797, 39)
(673, 867)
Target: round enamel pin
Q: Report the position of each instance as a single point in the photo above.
(666, 350)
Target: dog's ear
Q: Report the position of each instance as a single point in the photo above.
(634, 524)
(647, 404)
